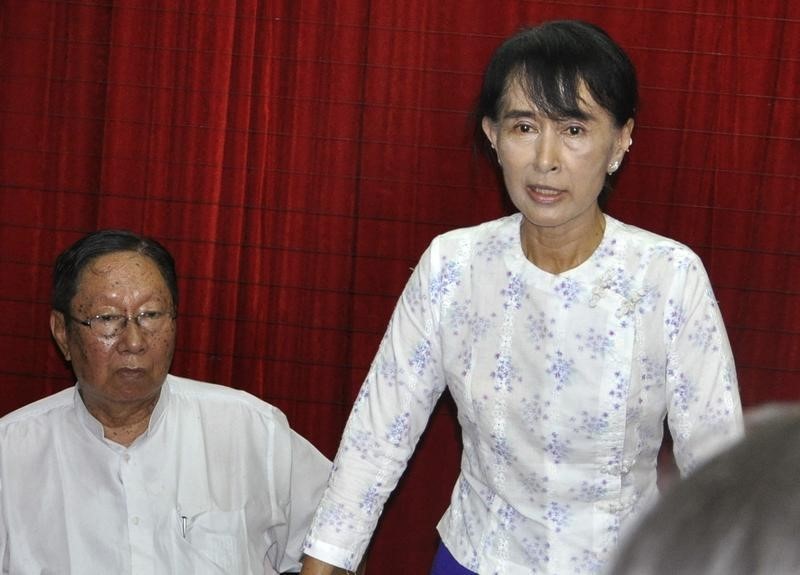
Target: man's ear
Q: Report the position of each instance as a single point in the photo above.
(58, 327)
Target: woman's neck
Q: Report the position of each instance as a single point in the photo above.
(558, 249)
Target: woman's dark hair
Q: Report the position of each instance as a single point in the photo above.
(72, 261)
(550, 62)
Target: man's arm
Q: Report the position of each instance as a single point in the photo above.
(3, 537)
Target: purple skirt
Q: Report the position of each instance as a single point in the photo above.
(445, 564)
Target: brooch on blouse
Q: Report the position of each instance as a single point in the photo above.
(607, 282)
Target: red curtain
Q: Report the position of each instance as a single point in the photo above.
(298, 155)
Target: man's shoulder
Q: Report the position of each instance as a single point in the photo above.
(206, 394)
(40, 410)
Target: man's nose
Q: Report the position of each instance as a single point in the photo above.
(131, 335)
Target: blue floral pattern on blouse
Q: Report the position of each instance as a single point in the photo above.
(562, 383)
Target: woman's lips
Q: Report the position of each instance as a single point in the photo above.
(544, 194)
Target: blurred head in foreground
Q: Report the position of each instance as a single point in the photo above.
(737, 515)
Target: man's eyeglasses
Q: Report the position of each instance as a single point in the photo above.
(109, 325)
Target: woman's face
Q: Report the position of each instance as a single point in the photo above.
(554, 169)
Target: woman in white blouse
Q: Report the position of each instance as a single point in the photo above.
(565, 337)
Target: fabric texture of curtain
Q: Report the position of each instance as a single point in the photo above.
(297, 156)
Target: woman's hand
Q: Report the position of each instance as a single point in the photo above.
(312, 566)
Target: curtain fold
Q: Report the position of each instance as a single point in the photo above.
(297, 156)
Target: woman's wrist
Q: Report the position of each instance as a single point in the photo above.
(314, 566)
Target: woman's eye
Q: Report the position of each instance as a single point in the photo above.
(574, 130)
(525, 128)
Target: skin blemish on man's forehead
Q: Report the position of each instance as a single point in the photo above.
(112, 261)
(122, 278)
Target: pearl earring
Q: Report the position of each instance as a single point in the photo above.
(499, 161)
(613, 167)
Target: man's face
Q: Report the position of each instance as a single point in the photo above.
(130, 368)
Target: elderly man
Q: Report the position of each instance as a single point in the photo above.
(135, 470)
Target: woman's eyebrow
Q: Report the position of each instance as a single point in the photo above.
(581, 115)
(513, 114)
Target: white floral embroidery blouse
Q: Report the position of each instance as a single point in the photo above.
(562, 383)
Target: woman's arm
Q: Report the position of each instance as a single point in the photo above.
(391, 411)
(704, 408)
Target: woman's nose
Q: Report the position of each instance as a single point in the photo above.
(546, 153)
